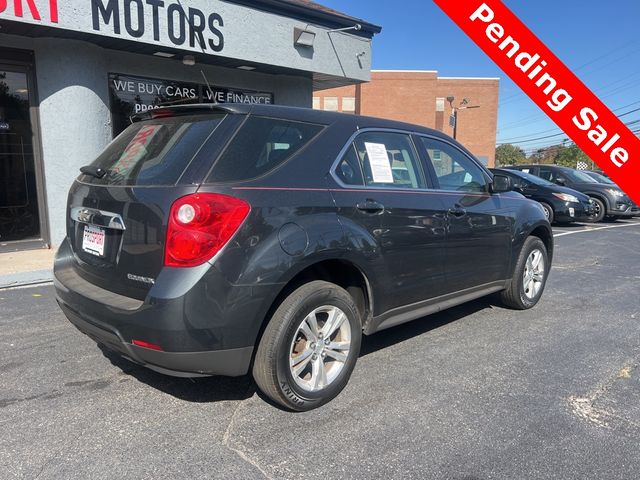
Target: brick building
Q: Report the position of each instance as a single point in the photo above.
(420, 97)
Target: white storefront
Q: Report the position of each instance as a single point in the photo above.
(72, 72)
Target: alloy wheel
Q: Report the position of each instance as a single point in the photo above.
(320, 348)
(533, 276)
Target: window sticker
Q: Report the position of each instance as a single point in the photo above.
(379, 162)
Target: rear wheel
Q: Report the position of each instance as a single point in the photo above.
(529, 276)
(548, 211)
(600, 210)
(310, 347)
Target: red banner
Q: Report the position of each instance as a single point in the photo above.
(552, 86)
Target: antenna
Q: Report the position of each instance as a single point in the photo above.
(208, 86)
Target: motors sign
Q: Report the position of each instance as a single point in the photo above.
(252, 32)
(165, 21)
(130, 95)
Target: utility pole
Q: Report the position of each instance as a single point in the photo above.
(453, 119)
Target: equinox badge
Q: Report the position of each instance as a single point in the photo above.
(138, 278)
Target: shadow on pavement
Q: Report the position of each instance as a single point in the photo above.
(198, 390)
(572, 225)
(406, 331)
(215, 389)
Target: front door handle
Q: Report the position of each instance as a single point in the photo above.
(370, 206)
(457, 211)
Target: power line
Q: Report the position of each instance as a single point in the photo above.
(534, 140)
(525, 137)
(510, 99)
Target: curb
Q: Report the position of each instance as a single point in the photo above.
(26, 278)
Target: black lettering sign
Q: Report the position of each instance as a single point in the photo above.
(108, 13)
(130, 95)
(202, 30)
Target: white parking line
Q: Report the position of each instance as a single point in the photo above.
(596, 228)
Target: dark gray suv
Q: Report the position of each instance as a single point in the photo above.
(608, 200)
(219, 240)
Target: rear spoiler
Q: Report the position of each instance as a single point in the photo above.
(191, 109)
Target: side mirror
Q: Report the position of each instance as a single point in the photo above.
(500, 184)
(561, 181)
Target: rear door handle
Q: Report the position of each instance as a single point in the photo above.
(370, 206)
(457, 211)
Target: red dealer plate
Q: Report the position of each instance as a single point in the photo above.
(93, 240)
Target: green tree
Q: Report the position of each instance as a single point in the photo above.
(508, 154)
(570, 155)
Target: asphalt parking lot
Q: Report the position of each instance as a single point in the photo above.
(476, 392)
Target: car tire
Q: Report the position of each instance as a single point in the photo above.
(529, 276)
(548, 211)
(296, 365)
(600, 210)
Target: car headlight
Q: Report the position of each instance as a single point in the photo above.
(615, 192)
(566, 197)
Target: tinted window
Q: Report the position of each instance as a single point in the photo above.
(529, 178)
(259, 146)
(348, 169)
(598, 177)
(388, 160)
(455, 171)
(577, 176)
(154, 152)
(516, 180)
(548, 174)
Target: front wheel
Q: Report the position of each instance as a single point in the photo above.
(548, 211)
(529, 277)
(599, 212)
(309, 347)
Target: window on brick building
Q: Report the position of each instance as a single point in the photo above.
(349, 104)
(331, 104)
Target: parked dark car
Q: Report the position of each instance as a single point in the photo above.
(602, 178)
(608, 200)
(561, 204)
(219, 240)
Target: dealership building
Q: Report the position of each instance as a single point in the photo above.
(72, 73)
(424, 98)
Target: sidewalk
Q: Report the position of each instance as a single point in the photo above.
(27, 267)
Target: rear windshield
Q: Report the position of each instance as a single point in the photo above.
(154, 152)
(261, 145)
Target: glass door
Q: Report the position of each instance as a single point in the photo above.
(21, 215)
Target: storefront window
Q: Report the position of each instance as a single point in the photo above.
(19, 216)
(131, 95)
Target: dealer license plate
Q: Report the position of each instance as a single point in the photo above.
(572, 212)
(93, 240)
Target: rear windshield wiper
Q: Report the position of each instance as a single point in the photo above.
(93, 171)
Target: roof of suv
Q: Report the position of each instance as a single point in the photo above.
(289, 113)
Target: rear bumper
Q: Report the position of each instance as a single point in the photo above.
(232, 362)
(203, 324)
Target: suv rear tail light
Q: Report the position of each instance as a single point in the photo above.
(200, 225)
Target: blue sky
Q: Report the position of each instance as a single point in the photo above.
(598, 40)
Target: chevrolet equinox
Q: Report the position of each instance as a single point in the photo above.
(224, 239)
